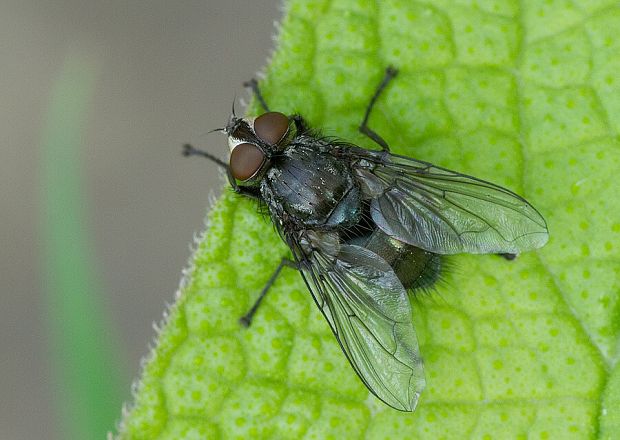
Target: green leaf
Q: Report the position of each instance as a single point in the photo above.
(524, 94)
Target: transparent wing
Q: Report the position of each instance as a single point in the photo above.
(368, 311)
(445, 212)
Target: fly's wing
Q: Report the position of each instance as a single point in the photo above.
(368, 311)
(445, 212)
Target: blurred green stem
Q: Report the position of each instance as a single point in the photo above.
(85, 364)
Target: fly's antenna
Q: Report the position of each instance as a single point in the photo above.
(233, 106)
(221, 130)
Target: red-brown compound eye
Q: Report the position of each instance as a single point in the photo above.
(271, 127)
(245, 160)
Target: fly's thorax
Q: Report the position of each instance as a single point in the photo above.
(313, 187)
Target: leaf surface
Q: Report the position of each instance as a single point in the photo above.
(523, 94)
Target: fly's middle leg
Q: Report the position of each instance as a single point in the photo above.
(390, 73)
(246, 319)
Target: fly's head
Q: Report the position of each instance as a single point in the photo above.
(253, 143)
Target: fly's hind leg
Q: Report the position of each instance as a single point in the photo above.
(508, 257)
(390, 73)
(253, 85)
(246, 319)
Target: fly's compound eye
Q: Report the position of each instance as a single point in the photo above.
(271, 127)
(245, 161)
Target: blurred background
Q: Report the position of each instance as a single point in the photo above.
(97, 207)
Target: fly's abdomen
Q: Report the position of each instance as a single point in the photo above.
(414, 267)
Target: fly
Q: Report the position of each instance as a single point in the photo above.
(364, 227)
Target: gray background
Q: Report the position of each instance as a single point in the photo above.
(170, 71)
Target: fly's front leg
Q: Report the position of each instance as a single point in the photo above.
(300, 124)
(246, 319)
(390, 73)
(189, 150)
(253, 84)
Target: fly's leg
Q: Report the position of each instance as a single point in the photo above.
(189, 150)
(300, 124)
(508, 257)
(246, 319)
(253, 84)
(390, 73)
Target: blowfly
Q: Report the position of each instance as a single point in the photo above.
(364, 227)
